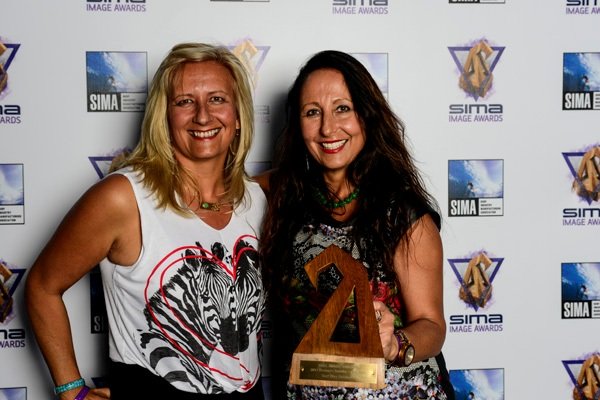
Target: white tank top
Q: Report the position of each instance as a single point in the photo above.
(190, 308)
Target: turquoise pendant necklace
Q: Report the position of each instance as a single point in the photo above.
(205, 205)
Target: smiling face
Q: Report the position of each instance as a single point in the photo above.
(330, 127)
(202, 113)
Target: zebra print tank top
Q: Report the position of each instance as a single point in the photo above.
(190, 308)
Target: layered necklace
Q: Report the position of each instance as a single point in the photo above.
(330, 204)
(221, 204)
(205, 205)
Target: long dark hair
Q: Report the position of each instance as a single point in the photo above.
(390, 186)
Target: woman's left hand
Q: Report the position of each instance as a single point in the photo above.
(385, 321)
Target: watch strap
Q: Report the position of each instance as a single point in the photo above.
(403, 344)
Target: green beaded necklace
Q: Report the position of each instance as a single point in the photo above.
(330, 204)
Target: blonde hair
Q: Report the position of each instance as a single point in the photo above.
(153, 156)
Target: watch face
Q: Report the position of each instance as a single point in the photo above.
(409, 355)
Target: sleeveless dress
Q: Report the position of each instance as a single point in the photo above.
(302, 302)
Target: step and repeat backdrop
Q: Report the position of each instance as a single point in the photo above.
(501, 99)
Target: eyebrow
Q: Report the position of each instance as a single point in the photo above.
(218, 91)
(310, 103)
(337, 100)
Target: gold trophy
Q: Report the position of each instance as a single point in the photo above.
(3, 75)
(587, 183)
(320, 361)
(6, 300)
(476, 77)
(588, 381)
(477, 288)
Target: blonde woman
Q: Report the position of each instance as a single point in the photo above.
(175, 232)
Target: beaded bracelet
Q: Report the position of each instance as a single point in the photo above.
(68, 386)
(82, 393)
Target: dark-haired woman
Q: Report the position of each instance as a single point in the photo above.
(343, 176)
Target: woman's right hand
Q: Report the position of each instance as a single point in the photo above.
(98, 394)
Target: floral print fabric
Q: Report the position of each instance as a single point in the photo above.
(422, 380)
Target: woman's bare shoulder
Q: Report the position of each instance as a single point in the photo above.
(111, 197)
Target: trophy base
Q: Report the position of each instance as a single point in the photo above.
(331, 370)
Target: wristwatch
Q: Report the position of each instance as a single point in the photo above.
(406, 351)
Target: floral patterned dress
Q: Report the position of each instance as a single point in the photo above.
(302, 302)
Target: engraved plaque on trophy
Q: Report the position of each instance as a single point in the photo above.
(321, 361)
